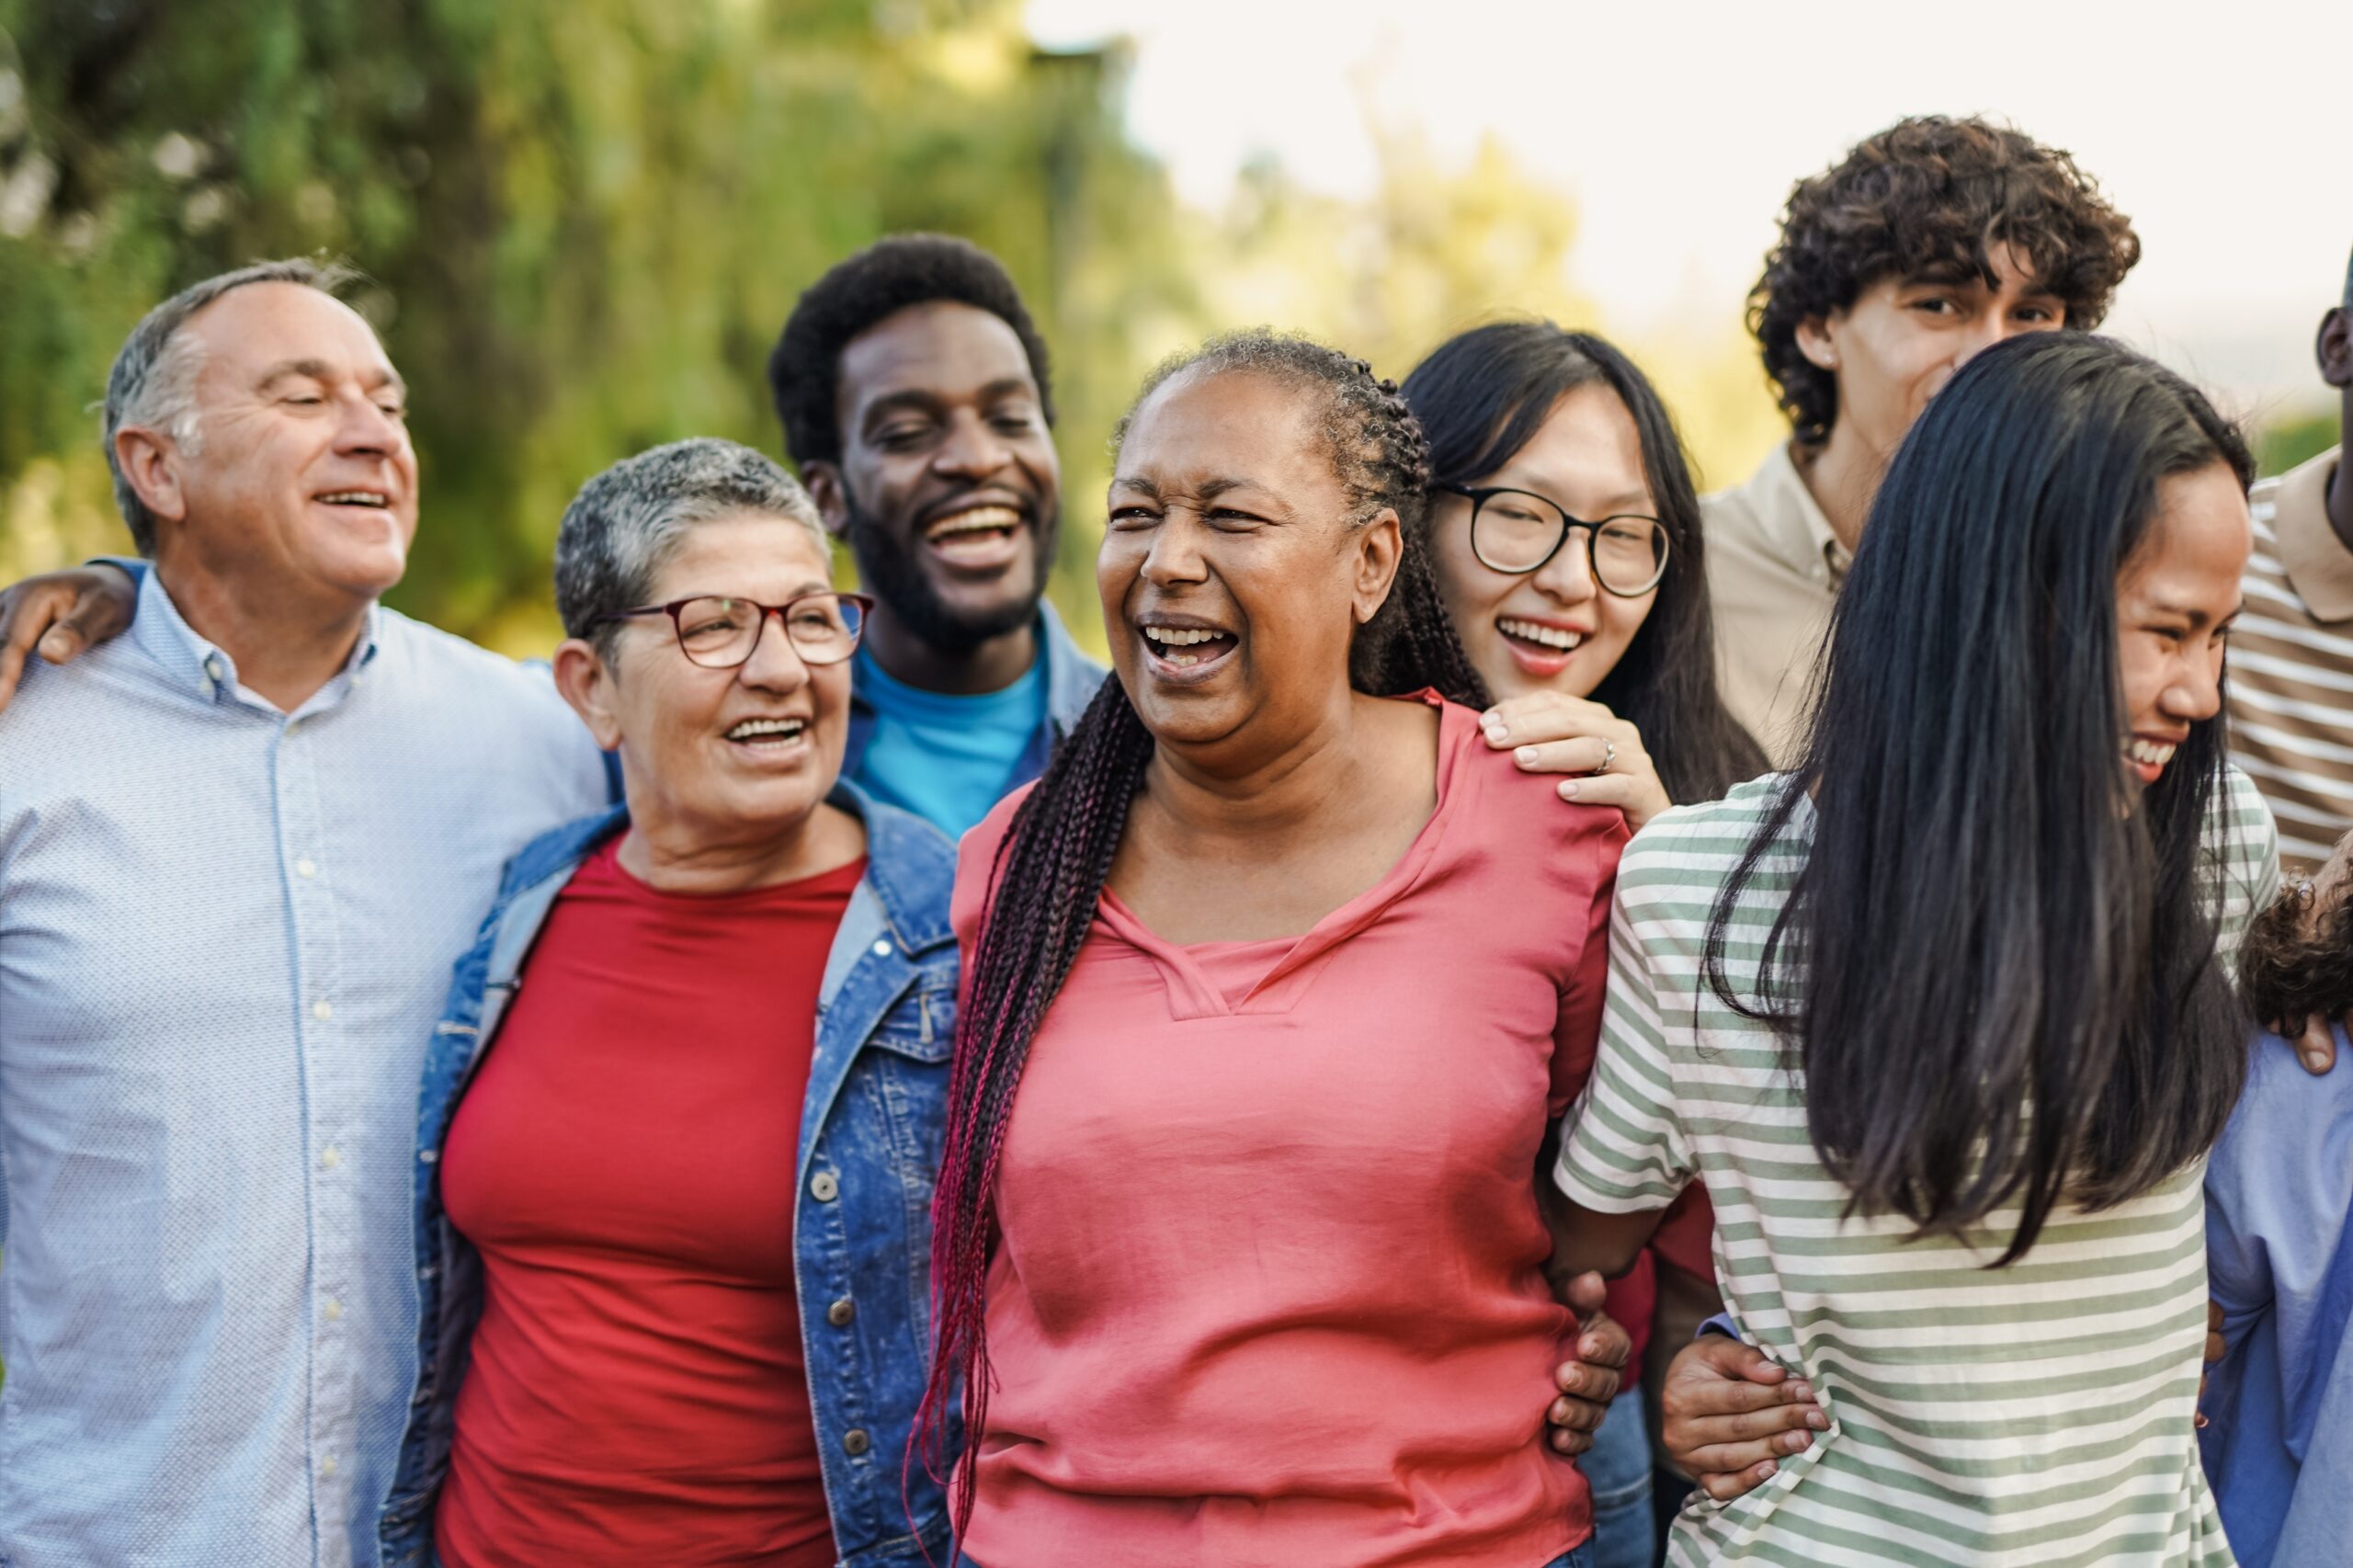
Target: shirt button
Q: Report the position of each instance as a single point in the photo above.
(841, 1311)
(213, 667)
(855, 1441)
(882, 948)
(321, 1010)
(330, 1157)
(825, 1186)
(326, 1465)
(306, 868)
(333, 1309)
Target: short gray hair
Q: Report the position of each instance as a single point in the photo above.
(153, 379)
(627, 522)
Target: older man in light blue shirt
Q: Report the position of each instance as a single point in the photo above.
(240, 849)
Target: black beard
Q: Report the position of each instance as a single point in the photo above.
(891, 575)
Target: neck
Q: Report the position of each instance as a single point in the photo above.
(991, 665)
(1842, 476)
(2340, 489)
(285, 647)
(676, 857)
(1293, 788)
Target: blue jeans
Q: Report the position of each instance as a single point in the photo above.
(1576, 1557)
(1618, 1467)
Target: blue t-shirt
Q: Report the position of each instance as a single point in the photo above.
(947, 758)
(2279, 1443)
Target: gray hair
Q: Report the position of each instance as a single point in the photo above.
(627, 522)
(153, 379)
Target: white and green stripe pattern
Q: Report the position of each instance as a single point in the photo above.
(2034, 1415)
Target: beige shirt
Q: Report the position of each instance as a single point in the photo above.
(2291, 665)
(1774, 568)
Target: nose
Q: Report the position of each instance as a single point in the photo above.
(775, 665)
(367, 430)
(2195, 694)
(1175, 556)
(972, 450)
(1567, 578)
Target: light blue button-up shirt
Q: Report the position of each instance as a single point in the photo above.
(225, 935)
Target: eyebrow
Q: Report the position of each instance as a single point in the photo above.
(1633, 502)
(2194, 616)
(1208, 489)
(320, 370)
(808, 586)
(927, 400)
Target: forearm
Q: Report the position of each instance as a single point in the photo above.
(1586, 1240)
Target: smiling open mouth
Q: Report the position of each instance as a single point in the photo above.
(982, 537)
(1534, 635)
(767, 733)
(371, 499)
(1187, 647)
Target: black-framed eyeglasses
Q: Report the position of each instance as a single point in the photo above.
(1517, 531)
(718, 633)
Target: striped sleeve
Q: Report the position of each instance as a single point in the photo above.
(2242, 845)
(1623, 1148)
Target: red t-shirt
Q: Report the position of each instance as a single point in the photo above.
(624, 1163)
(1269, 1286)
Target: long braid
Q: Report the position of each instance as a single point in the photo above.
(1050, 871)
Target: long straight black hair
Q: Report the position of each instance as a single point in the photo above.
(1997, 968)
(1481, 396)
(1051, 869)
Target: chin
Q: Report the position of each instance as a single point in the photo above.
(368, 576)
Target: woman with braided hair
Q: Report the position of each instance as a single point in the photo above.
(1272, 984)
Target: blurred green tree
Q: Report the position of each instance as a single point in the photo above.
(584, 223)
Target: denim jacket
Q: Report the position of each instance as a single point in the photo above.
(1071, 681)
(870, 1134)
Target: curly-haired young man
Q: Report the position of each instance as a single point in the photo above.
(1929, 242)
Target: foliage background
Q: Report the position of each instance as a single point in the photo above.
(585, 222)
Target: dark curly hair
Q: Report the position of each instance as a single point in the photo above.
(804, 369)
(1051, 868)
(2296, 960)
(1929, 194)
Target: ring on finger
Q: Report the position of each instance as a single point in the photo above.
(1608, 756)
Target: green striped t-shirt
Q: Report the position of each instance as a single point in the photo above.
(2036, 1414)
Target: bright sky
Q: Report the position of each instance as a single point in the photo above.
(2223, 129)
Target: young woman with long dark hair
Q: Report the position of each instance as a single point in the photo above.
(1565, 539)
(1565, 534)
(1941, 1015)
(1237, 1242)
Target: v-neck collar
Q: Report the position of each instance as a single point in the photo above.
(1193, 993)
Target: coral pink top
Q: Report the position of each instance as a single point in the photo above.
(1269, 1290)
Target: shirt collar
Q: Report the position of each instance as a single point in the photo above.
(2318, 565)
(205, 670)
(1793, 522)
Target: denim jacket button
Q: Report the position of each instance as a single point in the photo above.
(841, 1311)
(825, 1186)
(855, 1441)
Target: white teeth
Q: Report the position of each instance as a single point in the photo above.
(1180, 636)
(2151, 753)
(980, 519)
(354, 498)
(1549, 636)
(750, 727)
